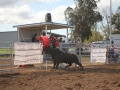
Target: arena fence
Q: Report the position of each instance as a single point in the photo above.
(103, 53)
(65, 47)
(6, 57)
(99, 53)
(87, 53)
(83, 51)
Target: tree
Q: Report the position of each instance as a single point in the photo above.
(85, 15)
(93, 37)
(105, 23)
(116, 21)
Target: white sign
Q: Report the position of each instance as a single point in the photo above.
(98, 55)
(28, 53)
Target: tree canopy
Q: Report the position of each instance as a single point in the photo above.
(105, 23)
(84, 16)
(96, 36)
(116, 21)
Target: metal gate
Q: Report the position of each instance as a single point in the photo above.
(6, 56)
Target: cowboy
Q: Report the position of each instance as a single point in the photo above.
(45, 40)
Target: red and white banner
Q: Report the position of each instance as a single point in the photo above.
(98, 55)
(28, 53)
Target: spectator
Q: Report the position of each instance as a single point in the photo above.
(116, 54)
(111, 54)
(34, 39)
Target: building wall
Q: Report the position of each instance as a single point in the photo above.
(26, 35)
(8, 36)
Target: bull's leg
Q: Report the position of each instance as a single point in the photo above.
(80, 65)
(75, 60)
(57, 66)
(68, 65)
(54, 65)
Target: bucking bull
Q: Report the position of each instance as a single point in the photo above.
(61, 57)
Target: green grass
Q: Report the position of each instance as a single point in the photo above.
(6, 51)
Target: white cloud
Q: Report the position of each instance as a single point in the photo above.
(12, 3)
(21, 14)
(24, 14)
(58, 14)
(106, 4)
(48, 1)
(7, 3)
(15, 15)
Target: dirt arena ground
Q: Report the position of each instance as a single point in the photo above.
(94, 77)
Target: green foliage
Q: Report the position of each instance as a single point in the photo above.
(96, 36)
(116, 21)
(85, 15)
(106, 32)
(105, 23)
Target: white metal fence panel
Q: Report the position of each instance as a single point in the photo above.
(6, 57)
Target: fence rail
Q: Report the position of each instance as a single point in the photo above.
(6, 57)
(6, 54)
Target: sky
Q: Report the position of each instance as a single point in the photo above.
(18, 12)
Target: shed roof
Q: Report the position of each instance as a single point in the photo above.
(41, 25)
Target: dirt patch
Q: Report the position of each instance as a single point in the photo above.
(94, 77)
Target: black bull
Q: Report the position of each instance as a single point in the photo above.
(61, 57)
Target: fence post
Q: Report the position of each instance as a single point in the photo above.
(79, 46)
(90, 52)
(11, 56)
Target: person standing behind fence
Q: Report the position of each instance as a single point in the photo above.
(34, 39)
(111, 54)
(116, 54)
(45, 40)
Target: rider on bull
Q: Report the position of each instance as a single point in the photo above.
(45, 40)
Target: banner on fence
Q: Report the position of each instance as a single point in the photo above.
(28, 53)
(98, 55)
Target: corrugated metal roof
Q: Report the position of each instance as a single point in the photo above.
(41, 25)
